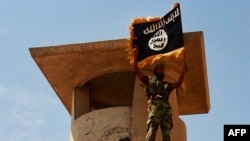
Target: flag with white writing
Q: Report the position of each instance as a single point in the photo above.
(158, 36)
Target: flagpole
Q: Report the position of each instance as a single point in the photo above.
(184, 61)
(175, 5)
(184, 56)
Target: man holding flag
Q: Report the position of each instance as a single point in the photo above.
(150, 38)
(158, 92)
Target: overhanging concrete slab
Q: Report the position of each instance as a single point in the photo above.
(69, 66)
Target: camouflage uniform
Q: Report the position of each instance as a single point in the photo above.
(160, 112)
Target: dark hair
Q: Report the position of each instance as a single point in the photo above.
(158, 66)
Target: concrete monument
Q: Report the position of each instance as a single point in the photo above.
(106, 101)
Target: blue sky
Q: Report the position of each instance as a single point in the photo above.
(30, 109)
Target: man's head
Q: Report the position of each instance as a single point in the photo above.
(159, 71)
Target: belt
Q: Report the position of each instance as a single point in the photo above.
(157, 97)
(160, 98)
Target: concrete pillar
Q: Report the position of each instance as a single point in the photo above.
(107, 124)
(138, 113)
(81, 101)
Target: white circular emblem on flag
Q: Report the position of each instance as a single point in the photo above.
(158, 41)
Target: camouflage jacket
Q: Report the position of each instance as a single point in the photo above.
(157, 88)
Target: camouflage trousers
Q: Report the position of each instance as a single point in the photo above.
(160, 113)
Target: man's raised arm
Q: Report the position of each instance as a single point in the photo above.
(137, 71)
(181, 78)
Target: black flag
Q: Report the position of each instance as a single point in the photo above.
(161, 36)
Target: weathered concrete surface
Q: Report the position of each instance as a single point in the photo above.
(108, 124)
